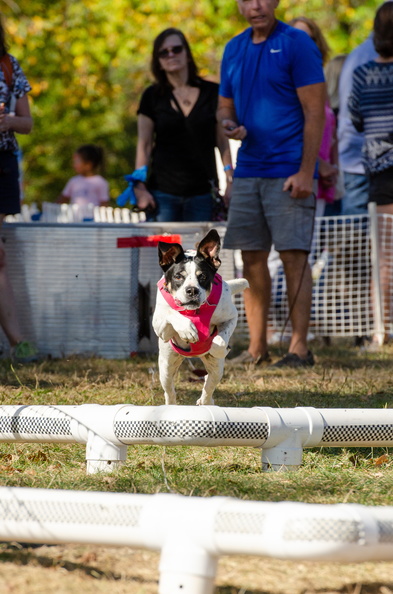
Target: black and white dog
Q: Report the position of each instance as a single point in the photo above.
(194, 314)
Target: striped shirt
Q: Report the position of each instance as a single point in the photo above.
(371, 108)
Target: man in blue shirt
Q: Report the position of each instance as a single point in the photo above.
(272, 98)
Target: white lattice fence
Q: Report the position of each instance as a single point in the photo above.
(342, 294)
(74, 289)
(385, 235)
(77, 293)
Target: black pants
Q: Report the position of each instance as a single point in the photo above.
(381, 187)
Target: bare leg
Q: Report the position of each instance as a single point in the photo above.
(8, 317)
(215, 370)
(257, 299)
(168, 362)
(299, 288)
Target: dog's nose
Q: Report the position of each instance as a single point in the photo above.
(192, 291)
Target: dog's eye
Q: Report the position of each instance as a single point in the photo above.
(202, 277)
(177, 276)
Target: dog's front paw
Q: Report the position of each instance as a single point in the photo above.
(218, 348)
(205, 402)
(187, 330)
(167, 333)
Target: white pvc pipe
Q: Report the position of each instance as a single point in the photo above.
(192, 533)
(91, 424)
(375, 271)
(281, 433)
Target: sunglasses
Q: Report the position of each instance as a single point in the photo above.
(176, 49)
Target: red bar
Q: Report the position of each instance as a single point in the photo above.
(147, 241)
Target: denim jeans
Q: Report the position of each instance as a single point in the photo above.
(355, 199)
(171, 208)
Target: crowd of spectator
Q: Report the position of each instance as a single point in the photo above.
(316, 139)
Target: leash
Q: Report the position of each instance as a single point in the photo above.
(301, 279)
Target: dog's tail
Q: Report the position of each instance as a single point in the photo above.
(237, 285)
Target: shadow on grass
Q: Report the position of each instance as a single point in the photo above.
(348, 589)
(336, 356)
(54, 373)
(295, 397)
(235, 590)
(328, 384)
(356, 361)
(26, 557)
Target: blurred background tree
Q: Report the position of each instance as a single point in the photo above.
(89, 60)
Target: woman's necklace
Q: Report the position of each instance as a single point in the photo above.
(183, 97)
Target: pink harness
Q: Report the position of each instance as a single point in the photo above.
(200, 317)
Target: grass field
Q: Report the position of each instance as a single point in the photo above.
(342, 377)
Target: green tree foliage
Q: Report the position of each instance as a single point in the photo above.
(89, 60)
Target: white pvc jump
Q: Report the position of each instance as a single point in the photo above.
(281, 433)
(192, 533)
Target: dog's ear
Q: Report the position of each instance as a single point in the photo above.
(209, 248)
(168, 254)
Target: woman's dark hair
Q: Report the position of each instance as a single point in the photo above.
(383, 30)
(3, 44)
(91, 153)
(159, 73)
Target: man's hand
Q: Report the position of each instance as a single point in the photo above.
(299, 185)
(233, 130)
(227, 195)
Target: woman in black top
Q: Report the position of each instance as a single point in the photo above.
(177, 134)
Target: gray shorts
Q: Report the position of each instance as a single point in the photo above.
(261, 214)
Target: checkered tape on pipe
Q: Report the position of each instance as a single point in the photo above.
(75, 424)
(357, 427)
(203, 425)
(53, 516)
(36, 423)
(288, 530)
(258, 426)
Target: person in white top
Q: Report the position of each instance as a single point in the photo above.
(87, 187)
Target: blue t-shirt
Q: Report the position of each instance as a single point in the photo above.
(262, 80)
